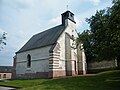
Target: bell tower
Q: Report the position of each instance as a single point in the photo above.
(66, 17)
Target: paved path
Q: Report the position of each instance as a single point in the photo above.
(6, 88)
(75, 76)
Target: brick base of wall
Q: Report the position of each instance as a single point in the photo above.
(80, 72)
(70, 73)
(53, 74)
(50, 74)
(32, 75)
(13, 74)
(56, 73)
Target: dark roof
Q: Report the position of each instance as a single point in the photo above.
(45, 38)
(6, 69)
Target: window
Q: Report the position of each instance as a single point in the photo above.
(0, 75)
(65, 15)
(28, 61)
(71, 15)
(4, 75)
(73, 37)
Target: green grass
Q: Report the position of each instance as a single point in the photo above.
(109, 80)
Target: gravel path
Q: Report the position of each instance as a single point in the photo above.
(6, 88)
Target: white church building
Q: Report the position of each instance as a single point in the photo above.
(52, 53)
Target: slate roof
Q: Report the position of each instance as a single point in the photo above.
(6, 69)
(45, 38)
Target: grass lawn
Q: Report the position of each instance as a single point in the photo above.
(109, 80)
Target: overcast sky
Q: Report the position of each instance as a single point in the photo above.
(21, 19)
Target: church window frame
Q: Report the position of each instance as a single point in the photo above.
(28, 61)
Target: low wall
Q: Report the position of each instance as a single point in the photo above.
(94, 67)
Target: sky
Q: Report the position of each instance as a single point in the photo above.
(21, 19)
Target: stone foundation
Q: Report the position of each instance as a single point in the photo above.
(32, 75)
(13, 74)
(56, 73)
(80, 72)
(50, 74)
(70, 73)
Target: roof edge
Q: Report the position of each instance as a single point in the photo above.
(51, 49)
(33, 48)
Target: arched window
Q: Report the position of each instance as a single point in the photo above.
(28, 61)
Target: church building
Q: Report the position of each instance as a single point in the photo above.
(52, 53)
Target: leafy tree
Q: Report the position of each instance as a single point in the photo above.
(104, 34)
(84, 38)
(99, 36)
(2, 40)
(115, 29)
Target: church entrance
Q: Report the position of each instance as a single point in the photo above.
(75, 67)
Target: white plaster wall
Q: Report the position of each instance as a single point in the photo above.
(61, 42)
(39, 61)
(68, 48)
(70, 29)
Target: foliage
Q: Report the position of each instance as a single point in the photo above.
(2, 40)
(84, 38)
(106, 81)
(104, 34)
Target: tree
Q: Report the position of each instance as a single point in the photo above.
(2, 40)
(84, 38)
(104, 34)
(99, 37)
(115, 28)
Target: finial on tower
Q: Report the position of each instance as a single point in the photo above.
(67, 7)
